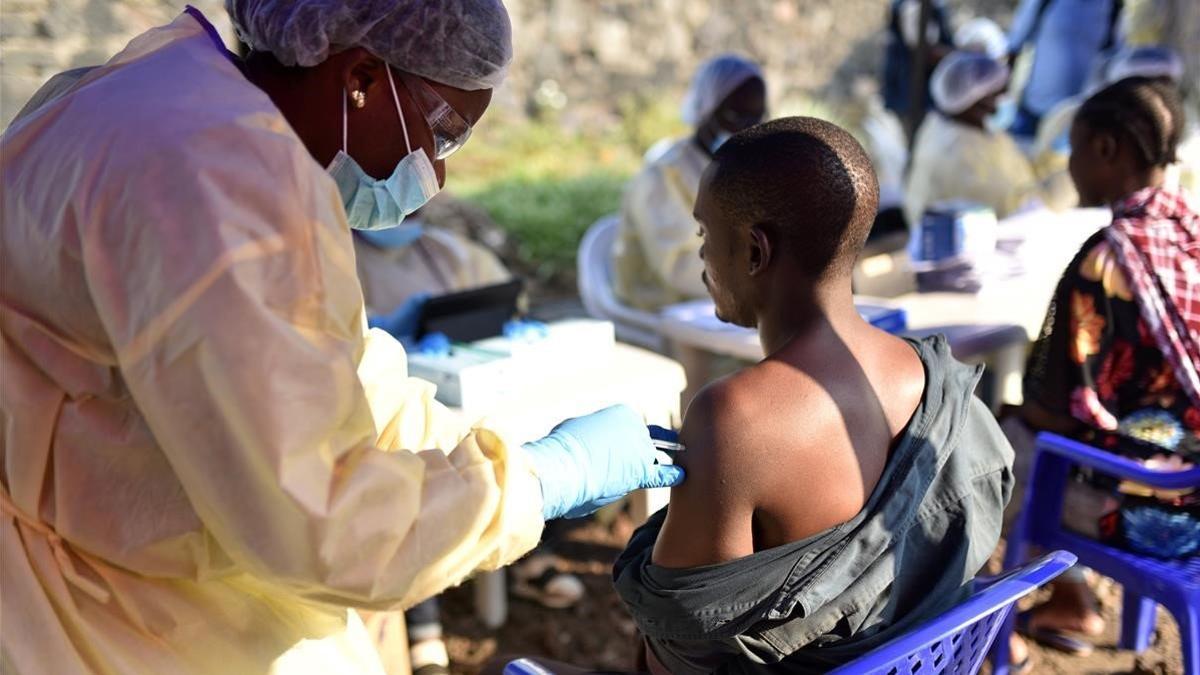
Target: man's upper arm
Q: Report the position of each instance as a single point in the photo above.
(710, 517)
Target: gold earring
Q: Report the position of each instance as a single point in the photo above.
(359, 97)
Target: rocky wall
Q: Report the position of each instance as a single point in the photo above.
(580, 56)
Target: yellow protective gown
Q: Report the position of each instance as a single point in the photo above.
(205, 456)
(439, 262)
(955, 161)
(1049, 162)
(656, 258)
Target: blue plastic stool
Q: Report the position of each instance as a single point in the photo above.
(1147, 581)
(956, 642)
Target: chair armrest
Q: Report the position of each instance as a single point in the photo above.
(1115, 465)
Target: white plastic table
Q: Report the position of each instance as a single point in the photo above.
(1019, 297)
(647, 382)
(992, 326)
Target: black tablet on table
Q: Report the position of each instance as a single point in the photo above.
(473, 314)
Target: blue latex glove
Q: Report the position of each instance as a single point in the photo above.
(402, 323)
(591, 461)
(524, 329)
(433, 344)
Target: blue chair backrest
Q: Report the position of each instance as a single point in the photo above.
(525, 667)
(958, 641)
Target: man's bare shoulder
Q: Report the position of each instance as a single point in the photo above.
(740, 434)
(745, 415)
(787, 448)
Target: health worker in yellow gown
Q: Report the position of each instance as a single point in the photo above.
(207, 457)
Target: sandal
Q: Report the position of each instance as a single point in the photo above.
(538, 580)
(429, 657)
(1054, 638)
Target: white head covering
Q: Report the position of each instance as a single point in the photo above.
(963, 79)
(460, 43)
(983, 35)
(713, 82)
(1148, 61)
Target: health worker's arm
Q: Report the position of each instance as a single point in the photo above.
(224, 273)
(659, 204)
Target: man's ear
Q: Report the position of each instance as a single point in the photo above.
(761, 250)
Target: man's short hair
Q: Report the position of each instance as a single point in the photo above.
(805, 180)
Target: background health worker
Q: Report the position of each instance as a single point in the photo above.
(656, 258)
(206, 456)
(961, 151)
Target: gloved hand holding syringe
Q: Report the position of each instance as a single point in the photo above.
(591, 461)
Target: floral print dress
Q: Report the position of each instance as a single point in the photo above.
(1099, 363)
(1096, 361)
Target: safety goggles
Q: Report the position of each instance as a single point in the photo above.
(450, 130)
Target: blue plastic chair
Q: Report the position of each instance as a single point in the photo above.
(955, 643)
(958, 641)
(525, 667)
(1147, 581)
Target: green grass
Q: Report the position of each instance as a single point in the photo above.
(545, 184)
(548, 216)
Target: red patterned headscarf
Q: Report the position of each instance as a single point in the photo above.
(1156, 237)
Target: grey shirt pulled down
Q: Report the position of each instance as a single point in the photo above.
(928, 527)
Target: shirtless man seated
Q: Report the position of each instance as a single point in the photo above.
(845, 488)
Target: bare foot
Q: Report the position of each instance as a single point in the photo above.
(1018, 653)
(1071, 607)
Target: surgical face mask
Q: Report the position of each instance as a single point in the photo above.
(373, 204)
(1003, 118)
(403, 236)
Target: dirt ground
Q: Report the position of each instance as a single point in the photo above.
(599, 634)
(1163, 658)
